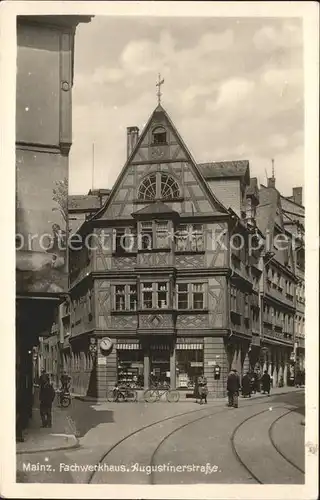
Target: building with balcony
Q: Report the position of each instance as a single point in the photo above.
(280, 283)
(294, 216)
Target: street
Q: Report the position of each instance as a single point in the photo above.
(162, 443)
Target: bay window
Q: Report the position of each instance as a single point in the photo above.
(154, 234)
(191, 296)
(155, 295)
(125, 297)
(189, 238)
(198, 295)
(182, 292)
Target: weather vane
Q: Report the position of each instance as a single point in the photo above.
(160, 82)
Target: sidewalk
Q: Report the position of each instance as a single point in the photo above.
(190, 399)
(59, 437)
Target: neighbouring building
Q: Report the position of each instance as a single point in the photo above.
(294, 216)
(45, 54)
(279, 282)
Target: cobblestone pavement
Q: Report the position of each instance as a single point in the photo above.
(186, 434)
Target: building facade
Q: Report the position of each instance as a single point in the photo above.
(45, 49)
(160, 293)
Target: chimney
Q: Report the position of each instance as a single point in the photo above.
(132, 139)
(297, 195)
(271, 182)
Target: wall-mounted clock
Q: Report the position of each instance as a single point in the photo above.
(106, 344)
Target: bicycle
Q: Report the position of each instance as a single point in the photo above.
(64, 398)
(125, 394)
(153, 394)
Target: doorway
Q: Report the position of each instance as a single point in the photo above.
(160, 365)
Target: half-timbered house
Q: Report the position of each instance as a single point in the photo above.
(153, 272)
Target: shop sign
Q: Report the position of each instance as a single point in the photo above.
(102, 361)
(196, 363)
(190, 347)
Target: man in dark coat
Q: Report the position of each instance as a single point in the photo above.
(44, 377)
(233, 387)
(46, 397)
(266, 382)
(246, 386)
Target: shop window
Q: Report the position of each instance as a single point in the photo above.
(130, 365)
(189, 364)
(189, 238)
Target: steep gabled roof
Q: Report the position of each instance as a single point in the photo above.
(219, 169)
(159, 110)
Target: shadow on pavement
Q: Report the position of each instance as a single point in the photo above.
(84, 417)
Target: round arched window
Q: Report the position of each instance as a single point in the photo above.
(158, 186)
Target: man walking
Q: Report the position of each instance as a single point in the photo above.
(266, 383)
(46, 397)
(233, 387)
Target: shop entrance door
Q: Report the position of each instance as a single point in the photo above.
(160, 365)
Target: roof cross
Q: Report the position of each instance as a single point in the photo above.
(158, 84)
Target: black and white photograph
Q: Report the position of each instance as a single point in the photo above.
(162, 333)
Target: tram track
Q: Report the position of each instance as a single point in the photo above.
(165, 438)
(237, 454)
(270, 433)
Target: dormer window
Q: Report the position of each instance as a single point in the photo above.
(159, 136)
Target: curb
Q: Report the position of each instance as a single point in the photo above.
(89, 399)
(76, 444)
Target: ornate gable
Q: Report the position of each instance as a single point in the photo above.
(160, 168)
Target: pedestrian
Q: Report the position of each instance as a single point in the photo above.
(233, 387)
(266, 382)
(43, 377)
(65, 380)
(46, 396)
(246, 387)
(196, 389)
(203, 389)
(252, 382)
(257, 381)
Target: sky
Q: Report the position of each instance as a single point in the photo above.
(233, 88)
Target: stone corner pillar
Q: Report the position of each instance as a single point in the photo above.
(173, 381)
